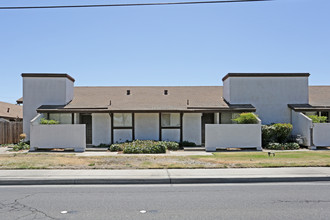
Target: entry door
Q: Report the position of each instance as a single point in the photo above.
(207, 118)
(87, 120)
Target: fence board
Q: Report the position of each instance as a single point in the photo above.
(10, 131)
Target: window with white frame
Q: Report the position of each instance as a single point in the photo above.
(122, 119)
(170, 119)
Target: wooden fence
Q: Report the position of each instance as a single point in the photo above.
(10, 131)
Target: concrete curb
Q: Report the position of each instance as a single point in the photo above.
(100, 181)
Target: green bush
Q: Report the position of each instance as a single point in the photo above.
(144, 149)
(48, 122)
(275, 133)
(187, 144)
(282, 146)
(170, 145)
(21, 146)
(246, 118)
(283, 132)
(102, 145)
(318, 119)
(115, 147)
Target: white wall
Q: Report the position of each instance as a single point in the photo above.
(192, 128)
(321, 134)
(58, 136)
(270, 95)
(171, 135)
(39, 91)
(122, 135)
(101, 128)
(302, 126)
(146, 126)
(226, 90)
(222, 136)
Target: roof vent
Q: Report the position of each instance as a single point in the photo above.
(165, 92)
(8, 110)
(128, 92)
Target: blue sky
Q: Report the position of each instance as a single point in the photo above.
(163, 45)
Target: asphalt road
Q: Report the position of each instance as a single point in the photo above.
(223, 201)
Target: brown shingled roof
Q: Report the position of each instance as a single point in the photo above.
(10, 111)
(319, 95)
(147, 98)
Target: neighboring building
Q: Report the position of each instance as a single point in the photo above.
(175, 113)
(11, 112)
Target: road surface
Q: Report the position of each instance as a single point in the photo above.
(219, 201)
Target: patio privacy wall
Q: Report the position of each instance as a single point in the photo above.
(302, 126)
(223, 136)
(57, 136)
(321, 132)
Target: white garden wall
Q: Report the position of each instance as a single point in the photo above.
(58, 136)
(321, 134)
(222, 136)
(192, 127)
(146, 126)
(101, 128)
(302, 126)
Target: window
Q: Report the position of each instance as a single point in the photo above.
(63, 118)
(170, 119)
(122, 119)
(128, 92)
(165, 92)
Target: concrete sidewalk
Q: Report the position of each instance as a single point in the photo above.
(163, 176)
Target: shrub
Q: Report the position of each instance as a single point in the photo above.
(275, 133)
(283, 132)
(187, 144)
(318, 119)
(21, 146)
(115, 147)
(102, 145)
(170, 145)
(48, 122)
(136, 149)
(246, 118)
(144, 147)
(283, 146)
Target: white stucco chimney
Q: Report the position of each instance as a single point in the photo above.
(44, 89)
